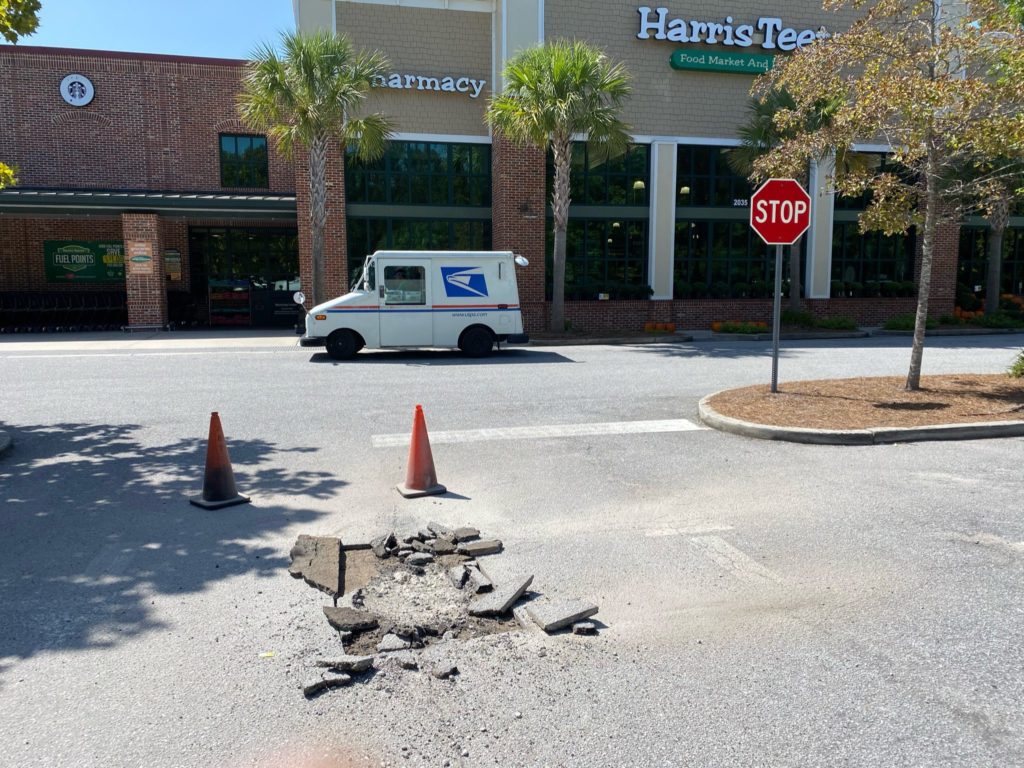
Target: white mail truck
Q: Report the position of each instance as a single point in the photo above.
(464, 299)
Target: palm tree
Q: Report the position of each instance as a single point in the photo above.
(553, 92)
(309, 95)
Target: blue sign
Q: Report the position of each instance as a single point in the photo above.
(464, 281)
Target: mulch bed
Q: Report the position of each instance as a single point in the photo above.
(865, 403)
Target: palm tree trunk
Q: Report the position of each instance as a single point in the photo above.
(997, 220)
(318, 213)
(931, 203)
(561, 150)
(794, 275)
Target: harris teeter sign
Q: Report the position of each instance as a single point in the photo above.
(711, 61)
(83, 261)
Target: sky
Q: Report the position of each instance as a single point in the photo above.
(219, 28)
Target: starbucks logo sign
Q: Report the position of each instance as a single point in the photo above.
(77, 90)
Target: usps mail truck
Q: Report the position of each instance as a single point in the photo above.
(464, 299)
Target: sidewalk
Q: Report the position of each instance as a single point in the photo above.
(150, 340)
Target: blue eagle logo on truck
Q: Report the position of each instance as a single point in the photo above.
(463, 282)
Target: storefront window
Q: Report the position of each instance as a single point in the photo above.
(367, 235)
(704, 179)
(722, 259)
(972, 267)
(422, 173)
(604, 256)
(623, 180)
(871, 264)
(243, 161)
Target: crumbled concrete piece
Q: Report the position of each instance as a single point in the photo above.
(329, 680)
(442, 547)
(465, 533)
(584, 628)
(420, 546)
(438, 529)
(420, 558)
(425, 533)
(319, 561)
(404, 659)
(444, 670)
(502, 598)
(403, 553)
(349, 619)
(392, 642)
(458, 575)
(347, 663)
(552, 615)
(382, 546)
(519, 612)
(480, 548)
(478, 580)
(408, 540)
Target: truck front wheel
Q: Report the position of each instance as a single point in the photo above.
(476, 341)
(342, 345)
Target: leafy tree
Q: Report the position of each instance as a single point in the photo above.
(309, 95)
(935, 82)
(17, 19)
(553, 92)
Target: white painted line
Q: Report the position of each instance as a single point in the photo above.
(551, 430)
(740, 565)
(141, 354)
(693, 530)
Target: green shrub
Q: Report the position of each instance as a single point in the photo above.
(759, 289)
(798, 318)
(838, 289)
(906, 323)
(998, 320)
(907, 288)
(743, 328)
(1016, 370)
(854, 289)
(949, 320)
(872, 289)
(889, 288)
(837, 324)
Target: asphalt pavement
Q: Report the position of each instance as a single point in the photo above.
(766, 604)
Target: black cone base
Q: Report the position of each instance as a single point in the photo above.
(199, 501)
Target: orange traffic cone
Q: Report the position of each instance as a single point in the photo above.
(420, 477)
(219, 482)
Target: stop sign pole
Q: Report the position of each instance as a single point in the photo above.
(780, 212)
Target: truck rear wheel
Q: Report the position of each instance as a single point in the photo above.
(476, 341)
(343, 345)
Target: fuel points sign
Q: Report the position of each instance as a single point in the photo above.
(84, 261)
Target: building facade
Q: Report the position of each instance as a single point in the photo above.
(211, 222)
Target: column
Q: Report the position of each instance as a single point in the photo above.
(662, 226)
(818, 270)
(144, 275)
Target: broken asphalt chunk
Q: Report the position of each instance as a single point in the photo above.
(349, 619)
(444, 670)
(440, 531)
(382, 546)
(419, 559)
(329, 680)
(480, 548)
(552, 615)
(458, 575)
(319, 561)
(347, 663)
(584, 628)
(478, 580)
(391, 642)
(502, 598)
(465, 533)
(442, 547)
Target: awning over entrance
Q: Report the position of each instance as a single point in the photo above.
(27, 202)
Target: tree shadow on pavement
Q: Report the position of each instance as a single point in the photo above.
(95, 523)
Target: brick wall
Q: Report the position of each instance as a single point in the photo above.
(153, 124)
(517, 212)
(146, 283)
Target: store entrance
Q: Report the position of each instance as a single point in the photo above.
(245, 277)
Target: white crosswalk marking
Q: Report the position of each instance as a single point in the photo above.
(544, 431)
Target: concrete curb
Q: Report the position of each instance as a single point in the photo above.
(5, 442)
(875, 436)
(790, 336)
(667, 339)
(951, 332)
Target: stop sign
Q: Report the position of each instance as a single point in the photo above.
(780, 211)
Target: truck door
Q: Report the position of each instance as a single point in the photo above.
(405, 304)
